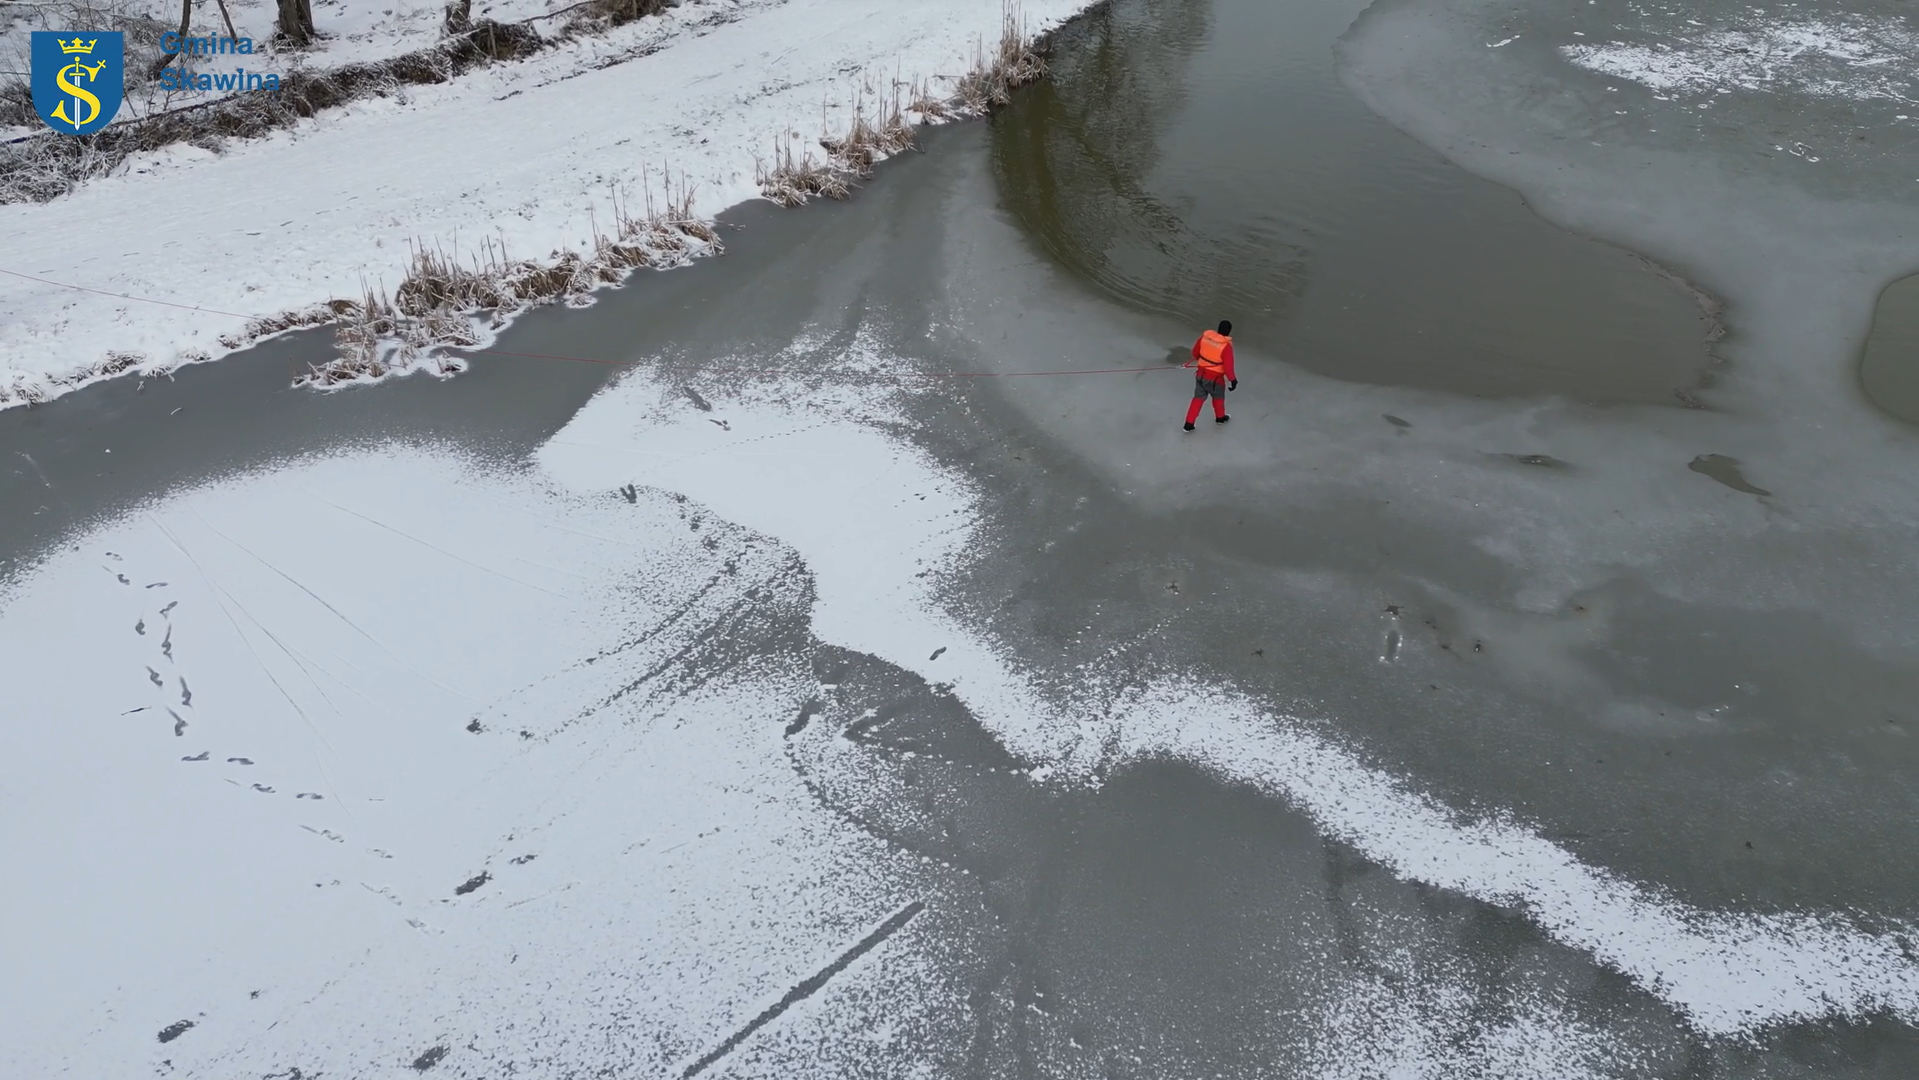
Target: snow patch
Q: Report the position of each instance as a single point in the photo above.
(1414, 1023)
(444, 727)
(1727, 973)
(1858, 58)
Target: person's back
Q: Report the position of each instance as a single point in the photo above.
(1213, 356)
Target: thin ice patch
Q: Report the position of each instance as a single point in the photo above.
(1727, 973)
(1855, 58)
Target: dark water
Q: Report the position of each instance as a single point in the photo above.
(104, 447)
(1889, 368)
(100, 449)
(1200, 159)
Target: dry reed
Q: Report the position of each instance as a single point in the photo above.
(444, 303)
(791, 178)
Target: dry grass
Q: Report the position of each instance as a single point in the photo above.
(142, 21)
(439, 302)
(1013, 63)
(22, 392)
(445, 303)
(32, 392)
(596, 16)
(376, 339)
(317, 315)
(49, 165)
(866, 142)
(930, 107)
(16, 102)
(792, 178)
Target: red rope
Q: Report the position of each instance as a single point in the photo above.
(123, 296)
(807, 371)
(625, 363)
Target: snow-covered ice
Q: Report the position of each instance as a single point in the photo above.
(788, 474)
(385, 751)
(382, 744)
(528, 154)
(1849, 56)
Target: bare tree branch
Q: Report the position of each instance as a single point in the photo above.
(186, 26)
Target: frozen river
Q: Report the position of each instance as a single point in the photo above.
(798, 702)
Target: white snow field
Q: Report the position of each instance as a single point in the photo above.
(248, 786)
(528, 154)
(247, 795)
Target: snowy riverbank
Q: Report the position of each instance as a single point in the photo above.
(528, 155)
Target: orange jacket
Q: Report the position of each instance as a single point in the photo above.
(1214, 354)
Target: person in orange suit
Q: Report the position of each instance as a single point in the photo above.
(1213, 356)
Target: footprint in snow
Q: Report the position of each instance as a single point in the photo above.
(186, 695)
(239, 761)
(140, 628)
(263, 788)
(179, 725)
(724, 426)
(155, 676)
(175, 1030)
(171, 604)
(166, 644)
(130, 712)
(158, 585)
(201, 756)
(123, 579)
(309, 795)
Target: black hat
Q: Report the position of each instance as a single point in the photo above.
(1225, 327)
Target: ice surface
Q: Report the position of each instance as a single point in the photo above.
(1889, 368)
(1763, 149)
(543, 715)
(790, 476)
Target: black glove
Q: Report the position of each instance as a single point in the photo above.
(1234, 385)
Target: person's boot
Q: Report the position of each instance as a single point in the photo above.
(1189, 425)
(1221, 418)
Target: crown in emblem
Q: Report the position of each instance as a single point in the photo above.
(78, 46)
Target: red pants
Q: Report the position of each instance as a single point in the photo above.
(1207, 388)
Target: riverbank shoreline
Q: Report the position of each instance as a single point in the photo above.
(100, 293)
